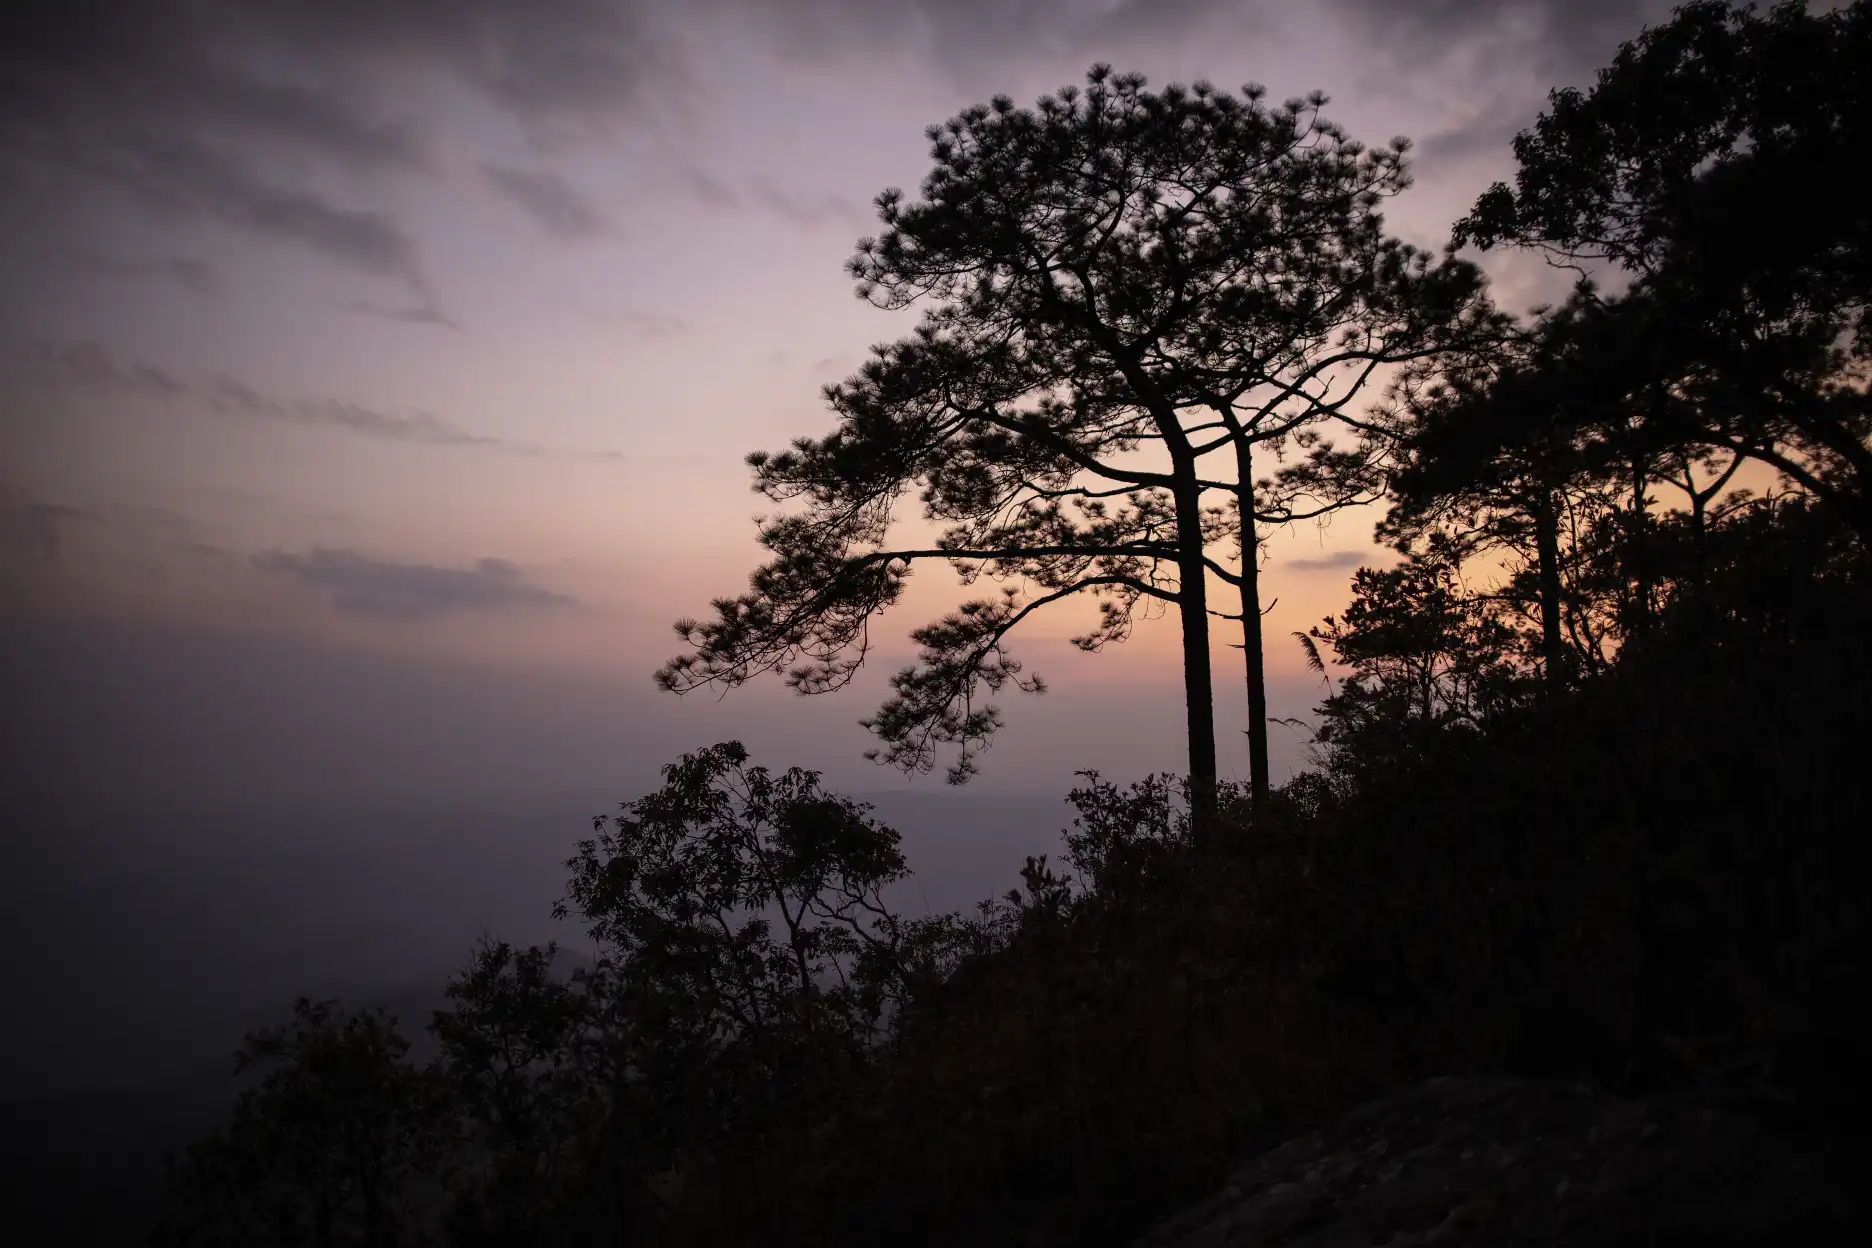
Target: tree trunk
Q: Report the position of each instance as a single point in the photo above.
(1198, 681)
(1699, 532)
(1640, 546)
(1259, 779)
(1547, 555)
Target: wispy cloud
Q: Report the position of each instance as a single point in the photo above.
(1331, 561)
(236, 109)
(704, 187)
(811, 211)
(963, 39)
(33, 532)
(382, 589)
(191, 273)
(184, 173)
(553, 203)
(1487, 134)
(90, 366)
(233, 397)
(408, 314)
(762, 195)
(645, 324)
(1560, 36)
(233, 109)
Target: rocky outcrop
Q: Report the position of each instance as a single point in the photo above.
(1508, 1162)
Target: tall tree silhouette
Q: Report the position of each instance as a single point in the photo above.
(1118, 286)
(1493, 457)
(1743, 330)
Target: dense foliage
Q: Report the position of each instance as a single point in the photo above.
(1587, 796)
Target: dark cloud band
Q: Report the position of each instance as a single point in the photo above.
(1333, 561)
(408, 592)
(91, 366)
(553, 203)
(227, 108)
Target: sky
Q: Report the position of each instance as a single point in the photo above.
(375, 375)
(375, 382)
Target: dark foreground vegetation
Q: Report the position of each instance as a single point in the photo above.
(1589, 794)
(1655, 881)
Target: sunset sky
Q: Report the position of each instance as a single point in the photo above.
(377, 373)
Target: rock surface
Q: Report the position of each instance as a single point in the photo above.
(1509, 1162)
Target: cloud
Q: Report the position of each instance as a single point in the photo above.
(195, 275)
(1564, 36)
(1329, 562)
(704, 186)
(761, 195)
(233, 397)
(89, 365)
(410, 314)
(238, 110)
(645, 324)
(110, 536)
(1488, 134)
(288, 118)
(332, 123)
(1498, 56)
(191, 175)
(811, 211)
(369, 241)
(186, 176)
(325, 74)
(32, 533)
(964, 38)
(552, 202)
(404, 592)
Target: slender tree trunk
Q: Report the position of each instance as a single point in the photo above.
(1198, 681)
(1641, 545)
(1699, 530)
(1547, 556)
(1259, 778)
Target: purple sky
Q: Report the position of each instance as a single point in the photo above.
(376, 374)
